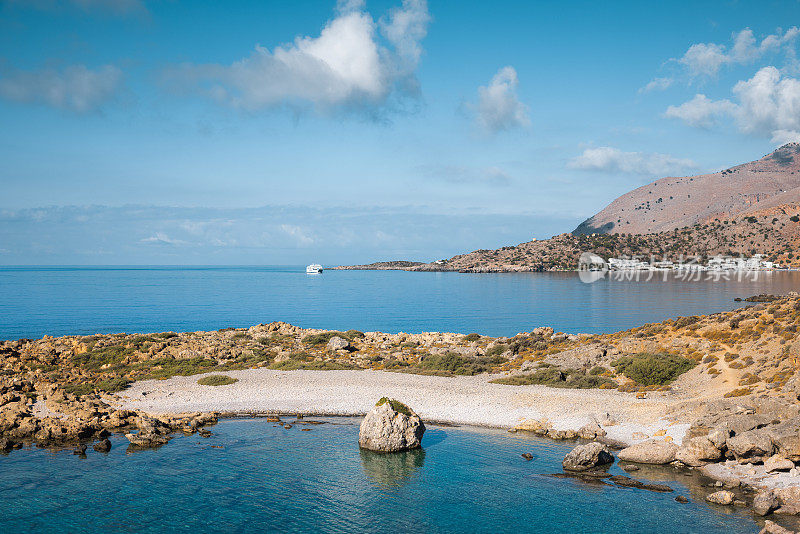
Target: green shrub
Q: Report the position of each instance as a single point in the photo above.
(354, 334)
(328, 365)
(243, 336)
(650, 369)
(557, 378)
(166, 335)
(496, 350)
(396, 405)
(454, 363)
(324, 337)
(217, 380)
(597, 370)
(168, 367)
(112, 355)
(794, 218)
(469, 338)
(111, 385)
(683, 322)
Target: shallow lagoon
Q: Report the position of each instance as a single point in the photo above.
(252, 475)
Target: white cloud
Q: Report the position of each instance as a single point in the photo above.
(781, 137)
(706, 59)
(700, 111)
(346, 66)
(609, 159)
(768, 102)
(768, 105)
(498, 106)
(657, 84)
(76, 88)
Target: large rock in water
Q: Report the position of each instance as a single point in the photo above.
(587, 456)
(391, 426)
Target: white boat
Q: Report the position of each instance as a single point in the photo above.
(314, 268)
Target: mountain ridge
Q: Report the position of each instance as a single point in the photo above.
(677, 202)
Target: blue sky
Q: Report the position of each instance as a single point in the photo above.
(138, 131)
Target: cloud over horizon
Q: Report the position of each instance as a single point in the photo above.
(270, 235)
(611, 160)
(355, 64)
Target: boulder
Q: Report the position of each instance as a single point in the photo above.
(337, 343)
(591, 431)
(774, 528)
(764, 502)
(788, 444)
(145, 440)
(649, 452)
(587, 456)
(561, 434)
(751, 445)
(788, 499)
(391, 427)
(698, 451)
(777, 463)
(723, 497)
(104, 445)
(533, 425)
(719, 436)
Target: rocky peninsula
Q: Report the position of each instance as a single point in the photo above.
(716, 393)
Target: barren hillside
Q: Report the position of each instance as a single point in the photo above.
(671, 203)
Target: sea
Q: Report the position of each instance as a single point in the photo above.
(255, 476)
(38, 301)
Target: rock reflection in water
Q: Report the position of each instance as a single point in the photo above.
(391, 470)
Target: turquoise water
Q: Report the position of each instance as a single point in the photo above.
(265, 478)
(63, 300)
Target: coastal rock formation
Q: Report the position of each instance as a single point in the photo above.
(764, 502)
(145, 440)
(774, 528)
(338, 343)
(104, 445)
(698, 451)
(753, 446)
(391, 426)
(649, 452)
(723, 497)
(777, 463)
(587, 456)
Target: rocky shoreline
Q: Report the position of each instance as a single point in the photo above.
(716, 394)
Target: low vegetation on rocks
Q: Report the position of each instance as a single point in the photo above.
(558, 378)
(650, 369)
(217, 380)
(395, 404)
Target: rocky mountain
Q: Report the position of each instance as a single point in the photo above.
(670, 203)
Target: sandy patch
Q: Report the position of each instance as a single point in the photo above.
(462, 400)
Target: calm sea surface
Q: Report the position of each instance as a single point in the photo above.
(35, 301)
(263, 478)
